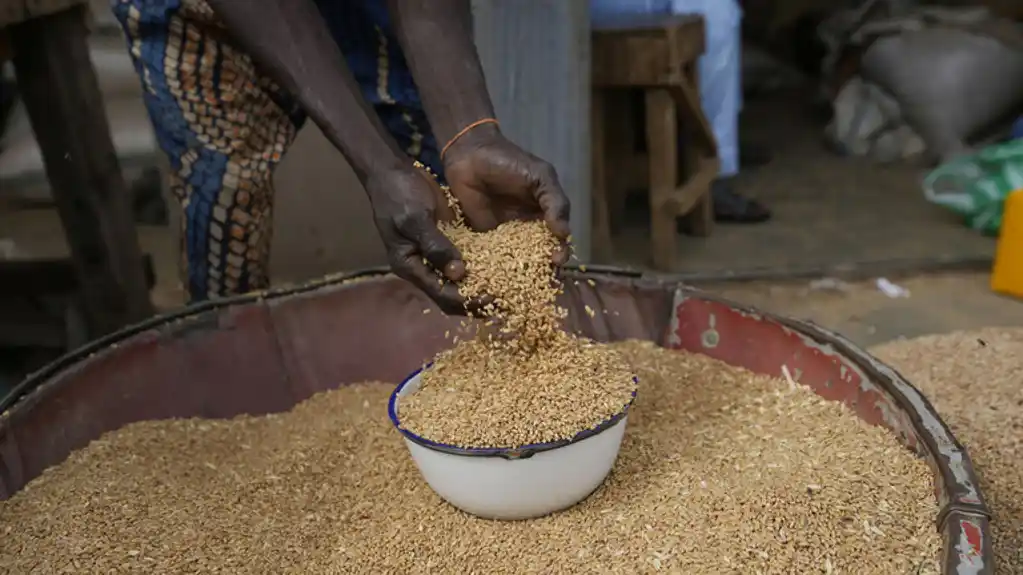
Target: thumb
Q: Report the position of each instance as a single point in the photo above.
(476, 206)
(440, 201)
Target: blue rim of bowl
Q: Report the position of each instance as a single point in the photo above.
(523, 452)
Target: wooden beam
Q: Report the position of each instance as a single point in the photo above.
(62, 97)
(536, 55)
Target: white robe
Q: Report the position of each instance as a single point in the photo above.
(720, 66)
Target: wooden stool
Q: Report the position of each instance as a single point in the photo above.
(656, 54)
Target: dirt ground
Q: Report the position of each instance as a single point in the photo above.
(828, 209)
(935, 304)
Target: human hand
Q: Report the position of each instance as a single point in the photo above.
(407, 204)
(496, 181)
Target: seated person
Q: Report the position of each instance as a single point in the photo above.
(720, 91)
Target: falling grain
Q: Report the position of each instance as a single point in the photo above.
(522, 379)
(512, 264)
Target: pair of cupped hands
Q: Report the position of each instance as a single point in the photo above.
(493, 180)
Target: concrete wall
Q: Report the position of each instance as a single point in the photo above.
(536, 54)
(323, 223)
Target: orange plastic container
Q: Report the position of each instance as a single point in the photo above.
(1007, 274)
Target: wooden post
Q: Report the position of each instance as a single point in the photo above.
(536, 55)
(662, 146)
(62, 97)
(601, 246)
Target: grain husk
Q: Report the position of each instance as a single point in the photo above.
(975, 380)
(721, 471)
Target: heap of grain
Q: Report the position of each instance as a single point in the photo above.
(737, 474)
(530, 382)
(974, 380)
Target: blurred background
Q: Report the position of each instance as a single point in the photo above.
(879, 136)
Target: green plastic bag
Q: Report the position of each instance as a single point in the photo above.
(976, 186)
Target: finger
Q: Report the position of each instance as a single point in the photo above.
(444, 212)
(480, 306)
(522, 213)
(421, 230)
(410, 268)
(562, 254)
(476, 207)
(556, 210)
(554, 203)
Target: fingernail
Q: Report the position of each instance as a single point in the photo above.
(455, 270)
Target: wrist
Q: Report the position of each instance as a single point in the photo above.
(374, 161)
(472, 139)
(388, 171)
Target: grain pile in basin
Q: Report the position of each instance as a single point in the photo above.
(975, 380)
(734, 474)
(534, 383)
(721, 471)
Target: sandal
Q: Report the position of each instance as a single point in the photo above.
(730, 207)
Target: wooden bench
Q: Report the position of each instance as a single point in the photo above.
(658, 55)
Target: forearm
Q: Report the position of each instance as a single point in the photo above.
(291, 43)
(436, 37)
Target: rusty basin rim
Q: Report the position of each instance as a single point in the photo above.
(510, 453)
(39, 377)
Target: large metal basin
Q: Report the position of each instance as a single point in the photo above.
(265, 352)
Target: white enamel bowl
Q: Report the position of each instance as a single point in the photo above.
(519, 483)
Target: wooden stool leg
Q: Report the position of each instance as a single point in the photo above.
(662, 145)
(64, 104)
(601, 234)
(699, 156)
(699, 221)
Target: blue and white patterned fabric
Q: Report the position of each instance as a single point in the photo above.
(225, 126)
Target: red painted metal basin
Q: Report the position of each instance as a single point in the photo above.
(265, 353)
